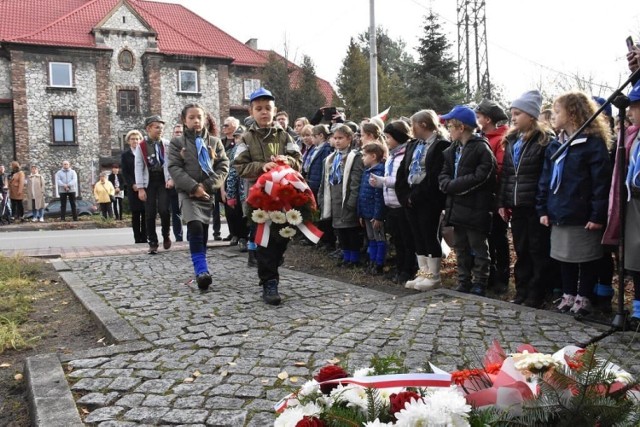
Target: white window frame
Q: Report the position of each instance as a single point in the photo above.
(69, 64)
(250, 86)
(180, 73)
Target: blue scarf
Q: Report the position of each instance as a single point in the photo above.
(556, 173)
(203, 156)
(633, 175)
(457, 161)
(307, 158)
(335, 175)
(517, 151)
(414, 167)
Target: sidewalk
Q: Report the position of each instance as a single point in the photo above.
(183, 357)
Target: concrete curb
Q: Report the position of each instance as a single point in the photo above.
(115, 328)
(50, 400)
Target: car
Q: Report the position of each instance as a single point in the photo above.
(52, 210)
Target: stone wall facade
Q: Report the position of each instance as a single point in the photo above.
(6, 135)
(5, 78)
(79, 102)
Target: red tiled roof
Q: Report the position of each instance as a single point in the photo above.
(69, 23)
(296, 75)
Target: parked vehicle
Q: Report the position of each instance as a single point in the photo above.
(52, 210)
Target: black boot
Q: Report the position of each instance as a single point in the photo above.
(251, 260)
(204, 281)
(270, 292)
(478, 288)
(463, 287)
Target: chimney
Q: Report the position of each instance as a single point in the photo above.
(252, 43)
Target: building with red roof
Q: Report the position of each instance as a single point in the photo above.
(77, 75)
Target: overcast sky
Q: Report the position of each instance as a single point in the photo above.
(528, 42)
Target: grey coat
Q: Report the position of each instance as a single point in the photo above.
(186, 172)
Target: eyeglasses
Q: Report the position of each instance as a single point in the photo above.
(225, 125)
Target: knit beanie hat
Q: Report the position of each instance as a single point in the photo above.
(601, 101)
(529, 102)
(491, 109)
(399, 136)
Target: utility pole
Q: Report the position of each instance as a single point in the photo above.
(472, 48)
(373, 61)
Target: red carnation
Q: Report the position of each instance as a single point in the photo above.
(308, 421)
(400, 399)
(257, 198)
(330, 372)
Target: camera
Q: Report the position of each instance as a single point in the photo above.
(329, 112)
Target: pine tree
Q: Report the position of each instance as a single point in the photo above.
(275, 77)
(353, 82)
(306, 97)
(434, 83)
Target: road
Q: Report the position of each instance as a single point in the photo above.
(22, 240)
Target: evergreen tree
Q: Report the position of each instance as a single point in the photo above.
(275, 77)
(306, 97)
(353, 82)
(434, 83)
(392, 54)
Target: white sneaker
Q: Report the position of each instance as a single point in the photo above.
(41, 220)
(566, 303)
(34, 219)
(581, 306)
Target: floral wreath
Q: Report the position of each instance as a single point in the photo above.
(281, 198)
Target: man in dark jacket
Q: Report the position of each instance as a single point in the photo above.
(468, 179)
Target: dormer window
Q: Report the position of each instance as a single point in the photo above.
(188, 81)
(60, 74)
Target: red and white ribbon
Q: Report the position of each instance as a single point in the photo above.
(310, 231)
(382, 381)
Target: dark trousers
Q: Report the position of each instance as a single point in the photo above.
(235, 221)
(425, 223)
(398, 226)
(139, 226)
(117, 207)
(269, 258)
(499, 251)
(328, 238)
(531, 241)
(216, 215)
(105, 210)
(17, 207)
(157, 203)
(350, 238)
(63, 205)
(472, 253)
(176, 215)
(584, 272)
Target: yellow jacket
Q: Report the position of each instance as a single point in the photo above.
(102, 191)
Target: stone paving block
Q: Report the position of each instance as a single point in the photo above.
(224, 418)
(221, 402)
(189, 402)
(145, 414)
(124, 383)
(185, 416)
(158, 400)
(92, 384)
(145, 373)
(89, 363)
(98, 399)
(84, 373)
(198, 388)
(131, 400)
(104, 414)
(155, 386)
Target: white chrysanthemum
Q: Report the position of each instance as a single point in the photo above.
(441, 407)
(363, 372)
(526, 361)
(377, 423)
(309, 388)
(287, 232)
(278, 217)
(294, 217)
(353, 395)
(385, 393)
(259, 216)
(291, 416)
(624, 377)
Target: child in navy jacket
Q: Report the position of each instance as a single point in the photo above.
(371, 207)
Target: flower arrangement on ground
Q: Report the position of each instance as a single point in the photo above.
(570, 387)
(281, 203)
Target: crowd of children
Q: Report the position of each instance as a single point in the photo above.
(478, 170)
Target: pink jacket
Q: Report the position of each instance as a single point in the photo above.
(612, 232)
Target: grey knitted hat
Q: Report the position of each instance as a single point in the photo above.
(529, 102)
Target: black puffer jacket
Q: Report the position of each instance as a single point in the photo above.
(518, 186)
(427, 194)
(470, 192)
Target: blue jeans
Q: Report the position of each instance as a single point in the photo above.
(38, 213)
